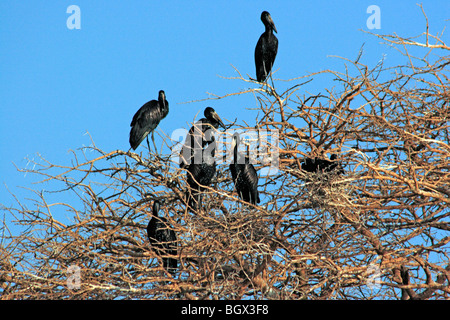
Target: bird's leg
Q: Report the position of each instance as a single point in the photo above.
(199, 202)
(265, 71)
(148, 144)
(149, 150)
(269, 76)
(271, 79)
(154, 144)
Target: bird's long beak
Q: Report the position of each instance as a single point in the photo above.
(233, 143)
(217, 118)
(162, 97)
(272, 24)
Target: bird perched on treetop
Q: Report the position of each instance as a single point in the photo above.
(244, 174)
(316, 165)
(147, 118)
(266, 48)
(163, 240)
(197, 156)
(200, 134)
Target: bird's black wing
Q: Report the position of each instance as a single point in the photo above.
(144, 121)
(194, 142)
(259, 59)
(265, 54)
(152, 234)
(163, 241)
(252, 179)
(245, 180)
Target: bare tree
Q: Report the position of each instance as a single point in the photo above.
(377, 231)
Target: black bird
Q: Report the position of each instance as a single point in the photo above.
(147, 119)
(197, 156)
(200, 134)
(162, 239)
(315, 164)
(200, 174)
(244, 174)
(266, 48)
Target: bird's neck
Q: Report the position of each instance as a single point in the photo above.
(269, 30)
(236, 155)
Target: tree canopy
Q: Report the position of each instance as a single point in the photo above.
(379, 230)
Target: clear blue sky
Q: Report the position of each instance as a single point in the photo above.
(56, 84)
